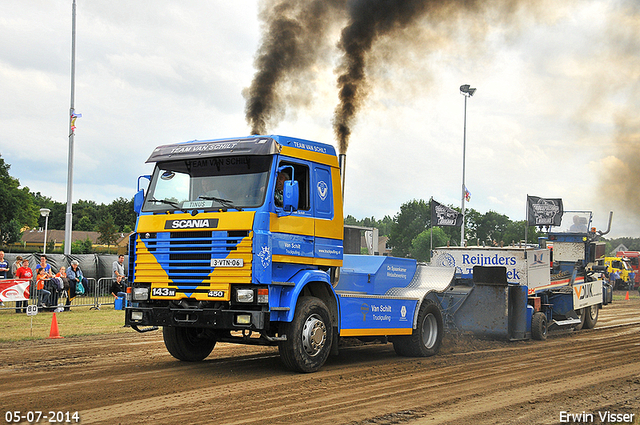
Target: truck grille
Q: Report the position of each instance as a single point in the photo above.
(184, 258)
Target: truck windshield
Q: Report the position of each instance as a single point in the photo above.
(574, 222)
(217, 182)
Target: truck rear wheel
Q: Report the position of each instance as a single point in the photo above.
(590, 316)
(426, 339)
(309, 336)
(539, 326)
(187, 344)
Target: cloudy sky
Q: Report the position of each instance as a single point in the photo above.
(555, 113)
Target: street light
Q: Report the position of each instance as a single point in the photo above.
(466, 91)
(45, 213)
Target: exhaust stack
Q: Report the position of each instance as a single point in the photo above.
(600, 233)
(342, 162)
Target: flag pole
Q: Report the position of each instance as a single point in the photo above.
(431, 227)
(68, 216)
(526, 223)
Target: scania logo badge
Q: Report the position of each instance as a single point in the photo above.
(205, 223)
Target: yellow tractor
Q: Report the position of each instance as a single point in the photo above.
(620, 265)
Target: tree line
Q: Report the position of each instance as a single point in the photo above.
(20, 209)
(410, 231)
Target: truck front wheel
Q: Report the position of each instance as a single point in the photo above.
(426, 339)
(187, 344)
(309, 336)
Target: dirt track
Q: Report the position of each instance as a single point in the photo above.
(131, 379)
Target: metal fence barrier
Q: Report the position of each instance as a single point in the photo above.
(97, 293)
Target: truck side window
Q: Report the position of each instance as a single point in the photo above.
(301, 175)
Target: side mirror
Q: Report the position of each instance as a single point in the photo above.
(138, 200)
(290, 196)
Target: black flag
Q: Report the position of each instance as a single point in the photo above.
(444, 216)
(543, 211)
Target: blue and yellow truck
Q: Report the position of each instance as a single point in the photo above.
(241, 240)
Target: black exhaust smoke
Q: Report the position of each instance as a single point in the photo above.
(293, 40)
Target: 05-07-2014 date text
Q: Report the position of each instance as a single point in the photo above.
(37, 416)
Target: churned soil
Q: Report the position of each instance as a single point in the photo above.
(129, 378)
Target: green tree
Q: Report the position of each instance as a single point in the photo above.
(11, 232)
(472, 220)
(122, 212)
(82, 247)
(108, 232)
(84, 224)
(414, 218)
(421, 244)
(491, 227)
(15, 203)
(383, 226)
(57, 214)
(514, 233)
(90, 209)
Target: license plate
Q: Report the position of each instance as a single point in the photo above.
(163, 292)
(227, 262)
(197, 204)
(216, 294)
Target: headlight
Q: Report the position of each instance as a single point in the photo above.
(140, 293)
(244, 295)
(136, 315)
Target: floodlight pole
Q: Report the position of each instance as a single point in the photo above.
(466, 91)
(45, 213)
(68, 219)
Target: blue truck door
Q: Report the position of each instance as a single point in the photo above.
(293, 233)
(323, 212)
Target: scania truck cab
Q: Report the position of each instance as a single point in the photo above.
(241, 240)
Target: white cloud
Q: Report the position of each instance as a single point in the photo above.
(542, 121)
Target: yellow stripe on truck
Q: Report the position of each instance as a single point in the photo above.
(375, 332)
(239, 220)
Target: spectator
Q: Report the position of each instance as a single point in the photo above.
(119, 278)
(49, 284)
(74, 274)
(614, 277)
(43, 294)
(117, 269)
(4, 266)
(4, 269)
(43, 265)
(63, 288)
(15, 266)
(26, 273)
(62, 274)
(118, 289)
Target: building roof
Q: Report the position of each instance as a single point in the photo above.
(57, 236)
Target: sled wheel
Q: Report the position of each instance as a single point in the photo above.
(539, 326)
(591, 316)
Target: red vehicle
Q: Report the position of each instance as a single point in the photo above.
(634, 262)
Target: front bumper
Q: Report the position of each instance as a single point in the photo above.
(196, 317)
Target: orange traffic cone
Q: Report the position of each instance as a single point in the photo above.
(54, 334)
(627, 296)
